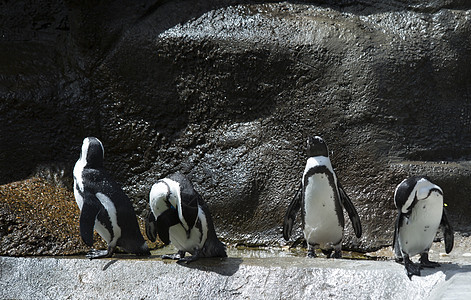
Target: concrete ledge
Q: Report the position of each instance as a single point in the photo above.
(232, 278)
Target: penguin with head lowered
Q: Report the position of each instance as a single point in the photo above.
(321, 199)
(104, 206)
(420, 212)
(180, 216)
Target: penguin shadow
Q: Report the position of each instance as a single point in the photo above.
(108, 264)
(226, 266)
(121, 257)
(450, 270)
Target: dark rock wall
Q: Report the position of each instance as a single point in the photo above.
(228, 91)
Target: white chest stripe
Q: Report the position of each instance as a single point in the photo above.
(111, 209)
(78, 169)
(318, 161)
(176, 200)
(78, 183)
(81, 163)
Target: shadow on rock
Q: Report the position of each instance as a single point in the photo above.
(223, 266)
(108, 264)
(449, 269)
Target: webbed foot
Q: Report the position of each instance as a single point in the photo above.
(424, 262)
(337, 254)
(411, 268)
(94, 253)
(176, 256)
(311, 253)
(188, 259)
(399, 260)
(327, 253)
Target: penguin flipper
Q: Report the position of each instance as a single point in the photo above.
(151, 227)
(88, 215)
(166, 220)
(395, 245)
(290, 216)
(189, 209)
(447, 232)
(352, 212)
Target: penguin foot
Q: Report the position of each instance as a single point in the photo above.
(337, 254)
(327, 253)
(176, 256)
(311, 253)
(412, 269)
(424, 262)
(188, 259)
(331, 253)
(94, 253)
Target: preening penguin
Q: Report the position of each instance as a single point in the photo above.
(180, 216)
(321, 198)
(104, 206)
(420, 212)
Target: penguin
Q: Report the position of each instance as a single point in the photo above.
(180, 216)
(419, 203)
(104, 206)
(321, 198)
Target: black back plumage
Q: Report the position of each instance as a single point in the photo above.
(191, 200)
(97, 180)
(404, 190)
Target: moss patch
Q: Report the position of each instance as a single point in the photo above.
(38, 217)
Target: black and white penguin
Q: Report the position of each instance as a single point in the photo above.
(181, 217)
(322, 198)
(104, 206)
(420, 212)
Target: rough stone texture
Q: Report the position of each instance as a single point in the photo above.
(227, 92)
(231, 278)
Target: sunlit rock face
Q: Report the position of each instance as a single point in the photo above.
(228, 91)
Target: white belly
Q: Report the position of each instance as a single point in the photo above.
(179, 239)
(103, 232)
(418, 232)
(321, 225)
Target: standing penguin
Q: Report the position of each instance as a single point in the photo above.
(420, 212)
(181, 217)
(104, 206)
(321, 197)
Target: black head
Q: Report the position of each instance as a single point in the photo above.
(92, 152)
(316, 147)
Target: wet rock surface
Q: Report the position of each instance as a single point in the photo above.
(227, 92)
